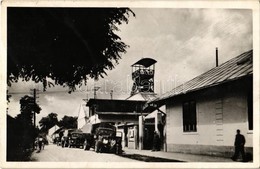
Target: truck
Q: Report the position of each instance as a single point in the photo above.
(102, 137)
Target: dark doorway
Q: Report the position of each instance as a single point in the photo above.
(148, 136)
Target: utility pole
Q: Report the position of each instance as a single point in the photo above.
(111, 94)
(34, 113)
(95, 91)
(34, 103)
(216, 57)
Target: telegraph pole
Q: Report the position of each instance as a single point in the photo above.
(216, 57)
(34, 113)
(34, 103)
(95, 91)
(111, 94)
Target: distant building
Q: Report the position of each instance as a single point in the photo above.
(122, 113)
(204, 113)
(51, 133)
(83, 116)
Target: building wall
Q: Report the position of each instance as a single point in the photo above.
(81, 122)
(220, 112)
(122, 119)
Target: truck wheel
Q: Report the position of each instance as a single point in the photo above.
(87, 147)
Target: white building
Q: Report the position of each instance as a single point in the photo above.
(82, 115)
(204, 113)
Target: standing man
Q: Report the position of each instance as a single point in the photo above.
(40, 142)
(156, 142)
(239, 146)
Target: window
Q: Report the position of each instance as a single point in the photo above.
(250, 110)
(189, 116)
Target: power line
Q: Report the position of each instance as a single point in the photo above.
(77, 91)
(43, 92)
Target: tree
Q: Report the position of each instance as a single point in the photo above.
(63, 44)
(27, 107)
(21, 131)
(48, 122)
(68, 122)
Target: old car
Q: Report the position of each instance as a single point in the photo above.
(102, 137)
(76, 139)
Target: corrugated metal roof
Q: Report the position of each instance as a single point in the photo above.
(235, 68)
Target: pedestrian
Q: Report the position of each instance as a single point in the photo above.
(36, 144)
(98, 144)
(43, 143)
(40, 141)
(239, 146)
(62, 141)
(156, 142)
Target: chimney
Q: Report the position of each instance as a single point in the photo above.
(216, 57)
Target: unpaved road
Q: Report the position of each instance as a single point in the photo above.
(54, 153)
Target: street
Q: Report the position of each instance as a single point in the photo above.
(54, 153)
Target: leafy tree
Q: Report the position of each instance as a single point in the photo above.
(8, 96)
(63, 44)
(20, 131)
(48, 122)
(68, 122)
(27, 131)
(27, 107)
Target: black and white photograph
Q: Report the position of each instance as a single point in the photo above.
(131, 85)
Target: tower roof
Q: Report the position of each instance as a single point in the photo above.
(146, 62)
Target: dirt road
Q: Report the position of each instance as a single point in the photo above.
(54, 153)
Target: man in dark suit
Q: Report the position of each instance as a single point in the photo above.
(239, 146)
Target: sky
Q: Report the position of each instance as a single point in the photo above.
(182, 41)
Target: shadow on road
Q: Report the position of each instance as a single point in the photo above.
(147, 158)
